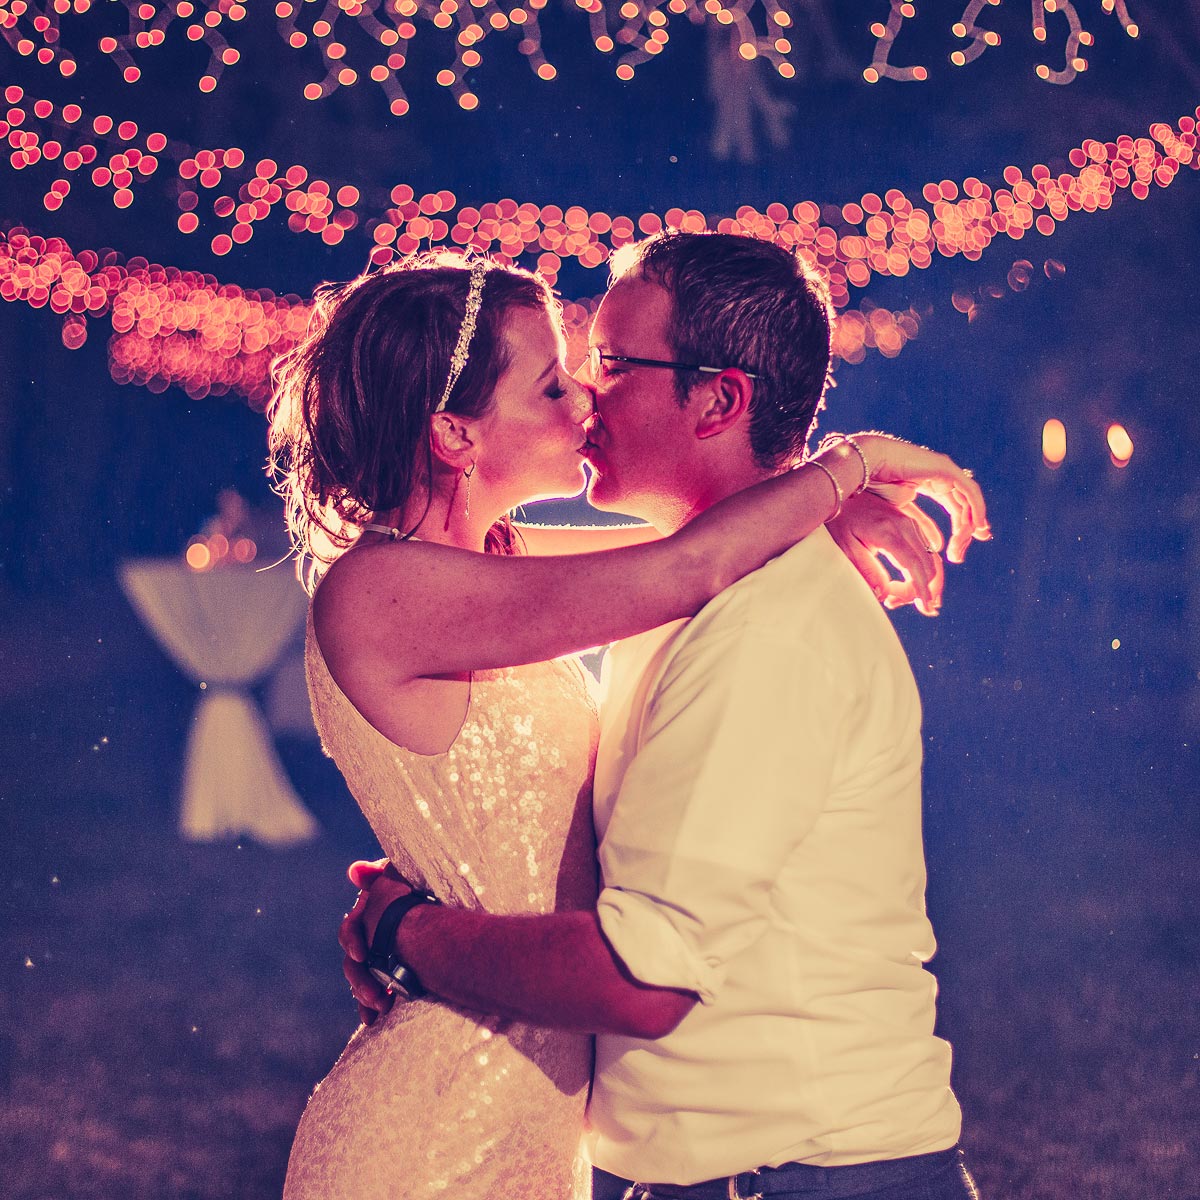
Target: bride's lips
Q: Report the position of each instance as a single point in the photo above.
(589, 449)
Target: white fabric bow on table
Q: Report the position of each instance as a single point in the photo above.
(225, 629)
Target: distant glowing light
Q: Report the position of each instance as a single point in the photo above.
(1120, 445)
(1054, 443)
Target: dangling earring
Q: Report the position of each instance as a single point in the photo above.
(468, 472)
(450, 506)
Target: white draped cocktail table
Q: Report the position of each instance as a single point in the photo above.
(225, 629)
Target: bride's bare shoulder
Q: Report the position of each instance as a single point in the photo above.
(355, 595)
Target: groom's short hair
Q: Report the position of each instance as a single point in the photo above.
(743, 302)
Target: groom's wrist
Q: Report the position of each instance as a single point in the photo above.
(414, 933)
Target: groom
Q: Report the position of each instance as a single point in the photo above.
(754, 964)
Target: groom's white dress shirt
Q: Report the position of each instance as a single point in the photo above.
(758, 803)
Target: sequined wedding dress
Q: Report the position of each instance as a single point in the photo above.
(434, 1101)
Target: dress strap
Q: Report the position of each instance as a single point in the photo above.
(389, 531)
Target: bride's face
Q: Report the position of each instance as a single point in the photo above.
(532, 436)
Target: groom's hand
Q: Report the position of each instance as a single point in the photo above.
(379, 884)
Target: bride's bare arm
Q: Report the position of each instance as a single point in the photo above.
(572, 539)
(424, 610)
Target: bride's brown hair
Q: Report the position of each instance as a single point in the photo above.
(350, 412)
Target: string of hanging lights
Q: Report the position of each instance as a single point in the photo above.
(184, 327)
(351, 41)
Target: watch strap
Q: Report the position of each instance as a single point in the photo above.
(382, 954)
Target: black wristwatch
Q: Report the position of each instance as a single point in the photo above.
(382, 959)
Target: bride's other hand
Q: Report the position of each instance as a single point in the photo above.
(870, 526)
(354, 933)
(915, 471)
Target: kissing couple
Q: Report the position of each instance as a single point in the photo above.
(693, 905)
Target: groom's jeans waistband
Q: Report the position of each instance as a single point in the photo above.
(830, 1183)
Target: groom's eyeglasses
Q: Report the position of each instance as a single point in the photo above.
(596, 361)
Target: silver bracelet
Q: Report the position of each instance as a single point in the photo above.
(830, 440)
(837, 488)
(862, 487)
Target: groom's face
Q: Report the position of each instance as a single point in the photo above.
(640, 433)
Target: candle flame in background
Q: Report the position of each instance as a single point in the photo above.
(1120, 445)
(1054, 443)
(354, 40)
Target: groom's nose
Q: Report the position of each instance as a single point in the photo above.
(583, 375)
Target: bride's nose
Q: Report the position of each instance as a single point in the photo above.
(583, 402)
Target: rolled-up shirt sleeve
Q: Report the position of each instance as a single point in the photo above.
(733, 766)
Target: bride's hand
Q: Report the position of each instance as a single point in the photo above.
(379, 884)
(901, 471)
(870, 526)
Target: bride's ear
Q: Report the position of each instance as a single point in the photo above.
(452, 440)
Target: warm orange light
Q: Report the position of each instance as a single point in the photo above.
(1120, 445)
(1054, 443)
(198, 556)
(850, 244)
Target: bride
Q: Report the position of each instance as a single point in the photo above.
(428, 401)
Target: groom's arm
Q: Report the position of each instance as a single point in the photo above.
(555, 970)
(733, 768)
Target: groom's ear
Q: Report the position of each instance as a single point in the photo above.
(452, 440)
(724, 402)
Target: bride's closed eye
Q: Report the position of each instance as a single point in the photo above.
(557, 389)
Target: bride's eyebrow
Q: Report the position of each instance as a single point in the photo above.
(551, 366)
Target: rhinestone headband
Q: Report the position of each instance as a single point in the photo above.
(466, 331)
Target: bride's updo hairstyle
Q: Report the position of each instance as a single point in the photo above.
(352, 400)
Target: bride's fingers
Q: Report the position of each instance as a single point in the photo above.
(960, 498)
(363, 873)
(937, 585)
(922, 567)
(916, 571)
(900, 592)
(929, 580)
(969, 524)
(351, 936)
(974, 495)
(926, 524)
(974, 524)
(868, 566)
(367, 990)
